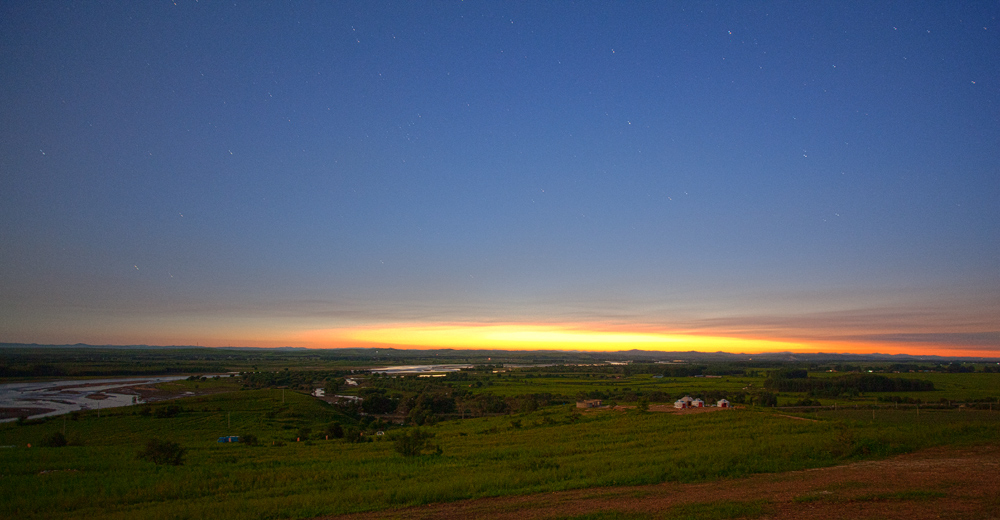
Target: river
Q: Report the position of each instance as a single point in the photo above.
(59, 397)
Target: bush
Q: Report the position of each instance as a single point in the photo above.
(165, 412)
(352, 434)
(248, 439)
(413, 443)
(56, 440)
(335, 430)
(162, 452)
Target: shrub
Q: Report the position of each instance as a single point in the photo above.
(248, 439)
(413, 443)
(165, 412)
(352, 434)
(335, 430)
(56, 440)
(162, 452)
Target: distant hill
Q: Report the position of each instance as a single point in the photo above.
(513, 356)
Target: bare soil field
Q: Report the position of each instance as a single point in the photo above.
(164, 391)
(955, 483)
(669, 408)
(13, 412)
(662, 408)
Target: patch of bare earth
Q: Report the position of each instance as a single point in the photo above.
(12, 412)
(664, 408)
(165, 391)
(955, 483)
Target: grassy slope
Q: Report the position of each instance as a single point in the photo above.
(552, 449)
(955, 387)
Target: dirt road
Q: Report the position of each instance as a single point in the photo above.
(956, 483)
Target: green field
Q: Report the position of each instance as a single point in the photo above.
(551, 448)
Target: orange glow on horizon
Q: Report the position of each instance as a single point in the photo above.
(542, 337)
(597, 338)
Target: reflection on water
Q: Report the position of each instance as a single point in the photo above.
(419, 369)
(59, 397)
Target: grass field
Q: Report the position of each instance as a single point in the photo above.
(960, 387)
(554, 448)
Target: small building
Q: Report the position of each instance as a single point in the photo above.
(722, 403)
(589, 403)
(687, 399)
(230, 438)
(680, 403)
(697, 403)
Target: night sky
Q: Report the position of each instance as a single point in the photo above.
(738, 177)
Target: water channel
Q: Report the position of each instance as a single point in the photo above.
(45, 399)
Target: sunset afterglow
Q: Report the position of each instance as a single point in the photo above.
(576, 337)
(547, 337)
(531, 175)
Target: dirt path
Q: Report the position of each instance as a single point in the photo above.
(794, 417)
(956, 483)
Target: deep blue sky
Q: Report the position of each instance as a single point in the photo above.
(238, 173)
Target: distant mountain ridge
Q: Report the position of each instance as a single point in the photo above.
(621, 355)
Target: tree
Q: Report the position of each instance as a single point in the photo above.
(412, 443)
(352, 434)
(335, 430)
(332, 385)
(642, 405)
(162, 452)
(56, 440)
(765, 399)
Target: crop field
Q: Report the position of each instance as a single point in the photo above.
(948, 387)
(485, 432)
(549, 450)
(572, 384)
